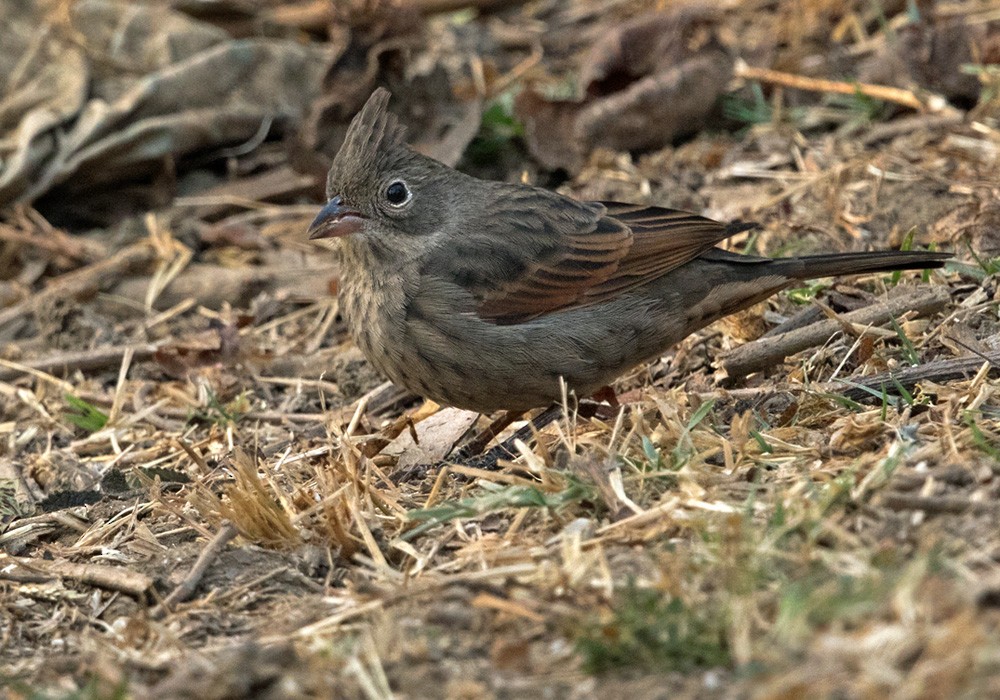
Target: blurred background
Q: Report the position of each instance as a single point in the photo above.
(111, 108)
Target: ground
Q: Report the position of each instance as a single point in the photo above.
(207, 492)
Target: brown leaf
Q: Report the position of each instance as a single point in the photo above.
(436, 437)
(149, 85)
(365, 38)
(659, 108)
(550, 129)
(648, 44)
(929, 55)
(647, 83)
(976, 224)
(220, 345)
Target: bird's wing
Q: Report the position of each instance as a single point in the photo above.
(568, 261)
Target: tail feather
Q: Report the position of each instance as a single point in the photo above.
(731, 282)
(834, 264)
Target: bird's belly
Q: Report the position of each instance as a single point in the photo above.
(417, 354)
(445, 352)
(460, 360)
(453, 362)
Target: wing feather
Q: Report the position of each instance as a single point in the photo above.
(622, 247)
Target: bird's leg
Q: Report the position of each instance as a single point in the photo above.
(586, 409)
(506, 449)
(534, 426)
(603, 404)
(476, 445)
(606, 393)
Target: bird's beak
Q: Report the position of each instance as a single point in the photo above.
(335, 220)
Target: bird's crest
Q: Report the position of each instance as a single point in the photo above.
(373, 132)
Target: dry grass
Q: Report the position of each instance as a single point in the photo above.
(770, 539)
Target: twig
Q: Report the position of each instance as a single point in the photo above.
(806, 317)
(76, 283)
(432, 7)
(54, 241)
(907, 377)
(208, 555)
(929, 102)
(935, 504)
(317, 15)
(507, 448)
(476, 445)
(112, 578)
(194, 455)
(372, 446)
(16, 369)
(252, 191)
(97, 358)
(766, 352)
(213, 285)
(886, 131)
(173, 412)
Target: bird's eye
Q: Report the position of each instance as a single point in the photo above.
(398, 193)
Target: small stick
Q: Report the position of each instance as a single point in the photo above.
(935, 504)
(212, 285)
(76, 283)
(937, 371)
(476, 445)
(97, 358)
(373, 445)
(208, 555)
(16, 368)
(119, 398)
(194, 455)
(932, 103)
(767, 352)
(507, 448)
(173, 412)
(432, 7)
(886, 131)
(112, 578)
(54, 241)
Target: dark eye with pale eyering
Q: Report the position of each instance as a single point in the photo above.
(397, 193)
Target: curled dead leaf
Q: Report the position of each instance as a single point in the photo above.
(646, 83)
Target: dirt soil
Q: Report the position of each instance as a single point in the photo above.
(207, 492)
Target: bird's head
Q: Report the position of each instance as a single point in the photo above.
(380, 192)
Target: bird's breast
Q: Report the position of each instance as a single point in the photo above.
(374, 306)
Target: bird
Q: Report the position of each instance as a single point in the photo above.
(488, 295)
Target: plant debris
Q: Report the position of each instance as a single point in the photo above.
(206, 491)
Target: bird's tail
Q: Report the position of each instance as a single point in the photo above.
(741, 281)
(834, 264)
